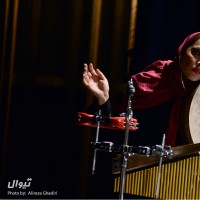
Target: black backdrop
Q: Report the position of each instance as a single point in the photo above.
(161, 27)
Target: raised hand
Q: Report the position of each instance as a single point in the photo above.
(96, 82)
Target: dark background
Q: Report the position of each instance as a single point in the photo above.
(41, 87)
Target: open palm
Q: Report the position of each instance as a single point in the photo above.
(96, 82)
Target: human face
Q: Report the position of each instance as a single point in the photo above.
(190, 61)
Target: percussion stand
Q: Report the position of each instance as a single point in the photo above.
(125, 153)
(160, 165)
(98, 119)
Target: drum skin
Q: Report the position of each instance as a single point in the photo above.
(194, 117)
(190, 118)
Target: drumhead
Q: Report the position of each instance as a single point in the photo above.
(190, 119)
(194, 117)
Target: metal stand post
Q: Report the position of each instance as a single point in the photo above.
(129, 114)
(98, 119)
(160, 165)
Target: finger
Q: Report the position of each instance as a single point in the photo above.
(85, 82)
(89, 75)
(85, 69)
(86, 77)
(86, 72)
(92, 70)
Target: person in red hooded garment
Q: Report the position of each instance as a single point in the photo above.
(160, 90)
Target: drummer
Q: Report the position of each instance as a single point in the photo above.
(160, 90)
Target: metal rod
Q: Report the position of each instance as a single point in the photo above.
(123, 174)
(160, 166)
(96, 140)
(125, 145)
